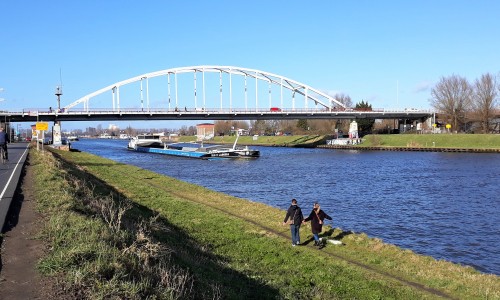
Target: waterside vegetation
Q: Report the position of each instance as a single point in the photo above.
(118, 231)
(467, 141)
(264, 140)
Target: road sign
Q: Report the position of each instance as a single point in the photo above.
(448, 126)
(43, 126)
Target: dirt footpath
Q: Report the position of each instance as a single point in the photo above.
(20, 250)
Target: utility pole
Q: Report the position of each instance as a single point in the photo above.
(56, 129)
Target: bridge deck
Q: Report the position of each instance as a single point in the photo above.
(207, 114)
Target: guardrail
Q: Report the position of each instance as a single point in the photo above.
(39, 111)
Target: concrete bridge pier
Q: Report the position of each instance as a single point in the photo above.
(56, 134)
(413, 124)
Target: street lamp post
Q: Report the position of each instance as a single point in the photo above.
(56, 129)
(58, 94)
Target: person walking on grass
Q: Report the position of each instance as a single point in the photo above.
(294, 218)
(317, 217)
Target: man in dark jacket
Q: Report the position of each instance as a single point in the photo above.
(4, 139)
(317, 217)
(294, 213)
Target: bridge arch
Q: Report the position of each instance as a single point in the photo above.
(311, 95)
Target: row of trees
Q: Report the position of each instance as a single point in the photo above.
(302, 126)
(272, 127)
(458, 102)
(461, 101)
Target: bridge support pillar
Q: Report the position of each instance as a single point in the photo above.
(56, 134)
(429, 122)
(406, 125)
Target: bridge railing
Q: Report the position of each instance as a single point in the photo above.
(230, 110)
(194, 110)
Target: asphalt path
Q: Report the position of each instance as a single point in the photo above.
(10, 174)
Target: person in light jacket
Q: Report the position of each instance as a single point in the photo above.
(294, 217)
(317, 217)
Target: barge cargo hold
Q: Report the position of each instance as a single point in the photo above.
(194, 150)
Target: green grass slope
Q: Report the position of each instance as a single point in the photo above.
(469, 141)
(175, 240)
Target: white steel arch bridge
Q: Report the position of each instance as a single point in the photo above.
(262, 80)
(208, 92)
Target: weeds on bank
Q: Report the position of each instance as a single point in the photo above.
(413, 144)
(374, 140)
(88, 242)
(471, 141)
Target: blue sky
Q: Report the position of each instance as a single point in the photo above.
(389, 53)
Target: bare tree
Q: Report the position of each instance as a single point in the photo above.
(184, 130)
(452, 97)
(240, 124)
(287, 126)
(323, 126)
(485, 99)
(130, 131)
(259, 127)
(192, 130)
(344, 99)
(222, 127)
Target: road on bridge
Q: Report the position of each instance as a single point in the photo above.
(10, 173)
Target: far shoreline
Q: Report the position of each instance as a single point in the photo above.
(417, 149)
(465, 143)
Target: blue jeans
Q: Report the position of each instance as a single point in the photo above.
(316, 237)
(294, 229)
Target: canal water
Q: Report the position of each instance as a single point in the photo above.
(446, 205)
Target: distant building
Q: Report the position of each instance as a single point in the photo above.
(205, 131)
(241, 131)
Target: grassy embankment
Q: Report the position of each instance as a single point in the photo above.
(204, 244)
(470, 141)
(291, 140)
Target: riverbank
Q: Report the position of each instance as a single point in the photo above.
(390, 142)
(219, 244)
(454, 141)
(417, 149)
(264, 140)
(469, 143)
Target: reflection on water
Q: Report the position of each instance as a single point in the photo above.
(446, 205)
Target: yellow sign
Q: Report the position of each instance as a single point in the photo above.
(42, 126)
(448, 126)
(434, 125)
